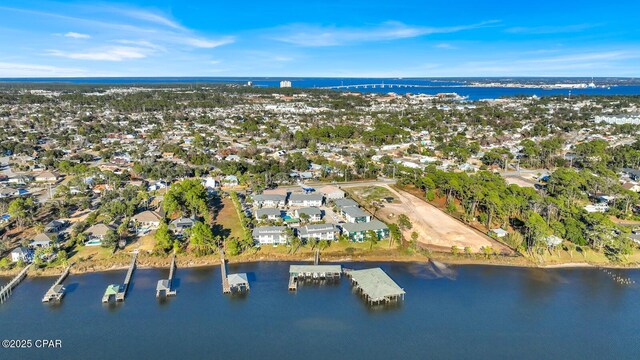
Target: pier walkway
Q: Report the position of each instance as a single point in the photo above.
(226, 288)
(6, 290)
(56, 291)
(164, 286)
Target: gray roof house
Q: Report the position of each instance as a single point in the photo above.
(357, 231)
(96, 233)
(270, 235)
(345, 203)
(55, 226)
(269, 200)
(269, 214)
(179, 225)
(314, 213)
(306, 200)
(355, 215)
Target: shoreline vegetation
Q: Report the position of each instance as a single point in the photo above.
(149, 261)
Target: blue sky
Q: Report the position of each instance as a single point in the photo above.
(348, 38)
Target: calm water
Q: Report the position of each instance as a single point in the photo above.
(435, 85)
(477, 312)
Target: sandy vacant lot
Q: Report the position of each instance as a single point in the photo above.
(436, 229)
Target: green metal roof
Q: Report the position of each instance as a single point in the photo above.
(112, 289)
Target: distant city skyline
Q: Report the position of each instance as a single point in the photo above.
(318, 38)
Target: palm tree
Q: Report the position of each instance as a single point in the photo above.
(371, 237)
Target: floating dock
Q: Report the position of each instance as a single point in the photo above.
(164, 286)
(312, 272)
(56, 291)
(376, 286)
(118, 292)
(6, 290)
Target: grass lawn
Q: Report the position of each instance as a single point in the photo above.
(227, 223)
(144, 243)
(91, 252)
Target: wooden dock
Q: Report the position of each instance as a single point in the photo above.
(293, 282)
(164, 286)
(316, 257)
(118, 292)
(56, 291)
(226, 288)
(127, 280)
(6, 290)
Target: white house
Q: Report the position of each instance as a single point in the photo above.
(306, 200)
(21, 253)
(314, 213)
(269, 200)
(270, 235)
(325, 232)
(355, 215)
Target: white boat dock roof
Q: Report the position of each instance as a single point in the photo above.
(316, 269)
(237, 279)
(376, 284)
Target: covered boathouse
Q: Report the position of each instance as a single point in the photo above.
(313, 272)
(376, 286)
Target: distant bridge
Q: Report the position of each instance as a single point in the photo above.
(373, 86)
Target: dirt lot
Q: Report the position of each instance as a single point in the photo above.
(436, 228)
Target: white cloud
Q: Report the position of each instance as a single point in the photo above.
(113, 53)
(153, 18)
(208, 43)
(540, 30)
(76, 35)
(445, 46)
(13, 70)
(316, 36)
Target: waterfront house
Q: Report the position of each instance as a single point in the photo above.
(147, 219)
(21, 253)
(269, 200)
(306, 200)
(268, 214)
(325, 232)
(180, 225)
(270, 235)
(314, 213)
(96, 233)
(331, 192)
(355, 215)
(43, 240)
(357, 231)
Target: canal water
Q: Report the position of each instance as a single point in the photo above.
(474, 312)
